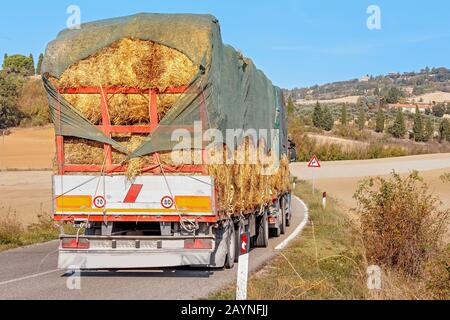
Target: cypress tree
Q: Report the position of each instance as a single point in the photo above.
(444, 130)
(317, 115)
(398, 130)
(39, 65)
(327, 119)
(361, 118)
(429, 130)
(418, 126)
(344, 117)
(381, 119)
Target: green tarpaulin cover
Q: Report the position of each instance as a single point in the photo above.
(234, 93)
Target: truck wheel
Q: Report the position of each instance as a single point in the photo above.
(239, 231)
(231, 253)
(283, 216)
(262, 238)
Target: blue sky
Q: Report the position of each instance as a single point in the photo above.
(296, 43)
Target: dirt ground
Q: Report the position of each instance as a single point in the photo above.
(27, 149)
(25, 194)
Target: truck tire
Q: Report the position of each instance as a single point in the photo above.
(283, 215)
(239, 230)
(232, 249)
(262, 237)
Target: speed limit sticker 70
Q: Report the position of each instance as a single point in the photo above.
(99, 202)
(167, 202)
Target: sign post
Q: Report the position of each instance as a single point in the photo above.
(242, 276)
(314, 163)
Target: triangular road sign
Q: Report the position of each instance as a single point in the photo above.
(314, 162)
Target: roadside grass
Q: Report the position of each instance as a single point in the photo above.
(325, 262)
(330, 258)
(13, 234)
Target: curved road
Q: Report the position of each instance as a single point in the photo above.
(29, 273)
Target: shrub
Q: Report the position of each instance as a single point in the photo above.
(437, 274)
(33, 103)
(10, 230)
(402, 224)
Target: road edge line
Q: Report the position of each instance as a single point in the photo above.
(28, 277)
(299, 228)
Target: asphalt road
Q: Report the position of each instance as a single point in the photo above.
(375, 167)
(30, 273)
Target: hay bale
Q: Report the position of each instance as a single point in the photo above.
(128, 63)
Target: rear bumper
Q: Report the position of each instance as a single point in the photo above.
(71, 259)
(135, 252)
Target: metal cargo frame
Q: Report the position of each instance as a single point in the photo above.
(108, 129)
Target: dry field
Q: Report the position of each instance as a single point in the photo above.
(437, 96)
(340, 178)
(349, 99)
(434, 96)
(27, 149)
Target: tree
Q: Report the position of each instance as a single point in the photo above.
(361, 118)
(429, 130)
(444, 130)
(31, 65)
(41, 59)
(418, 126)
(344, 116)
(393, 95)
(381, 119)
(10, 114)
(317, 115)
(327, 119)
(427, 111)
(398, 129)
(376, 92)
(19, 64)
(439, 110)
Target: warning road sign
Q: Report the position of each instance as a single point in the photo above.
(314, 162)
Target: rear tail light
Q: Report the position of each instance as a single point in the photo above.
(272, 220)
(198, 244)
(75, 244)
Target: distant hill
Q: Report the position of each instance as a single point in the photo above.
(412, 84)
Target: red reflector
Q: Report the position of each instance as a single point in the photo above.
(198, 244)
(272, 220)
(74, 244)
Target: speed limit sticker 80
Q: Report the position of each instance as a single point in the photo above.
(167, 202)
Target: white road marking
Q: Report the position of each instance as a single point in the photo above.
(299, 229)
(29, 277)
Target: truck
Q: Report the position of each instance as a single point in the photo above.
(166, 216)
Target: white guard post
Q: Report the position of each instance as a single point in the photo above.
(242, 276)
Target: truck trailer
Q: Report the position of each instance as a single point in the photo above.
(166, 215)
